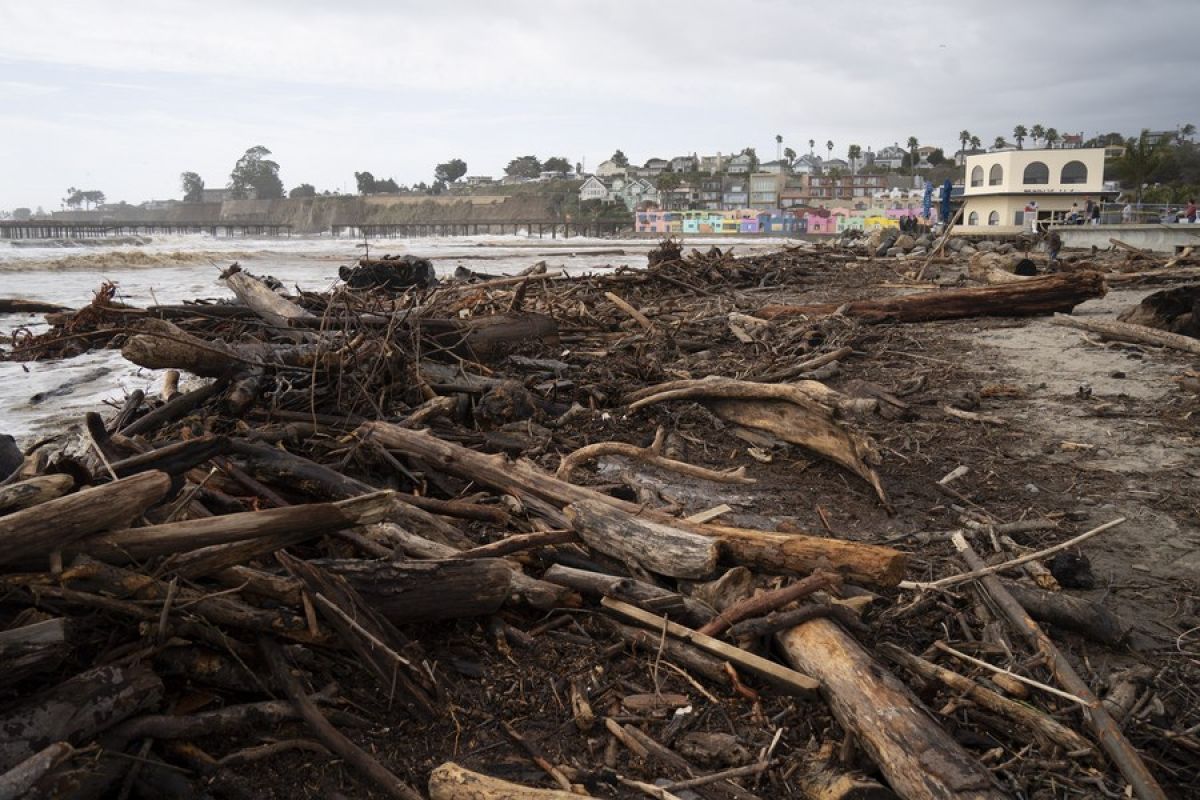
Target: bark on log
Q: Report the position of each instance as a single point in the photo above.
(34, 491)
(452, 782)
(1034, 297)
(293, 522)
(15, 305)
(1068, 612)
(39, 531)
(173, 459)
(492, 337)
(823, 782)
(1126, 332)
(770, 551)
(685, 655)
(279, 312)
(30, 649)
(655, 547)
(767, 602)
(1039, 724)
(919, 759)
(76, 710)
(175, 408)
(410, 591)
(162, 345)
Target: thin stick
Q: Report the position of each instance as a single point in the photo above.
(1016, 562)
(945, 648)
(733, 772)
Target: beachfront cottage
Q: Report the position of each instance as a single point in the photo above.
(999, 186)
(593, 189)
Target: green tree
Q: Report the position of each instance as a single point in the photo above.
(387, 186)
(964, 136)
(789, 155)
(255, 171)
(365, 182)
(1000, 143)
(829, 147)
(74, 198)
(854, 153)
(976, 143)
(1187, 131)
(620, 159)
(524, 167)
(913, 144)
(668, 181)
(936, 157)
(1051, 137)
(303, 190)
(1020, 133)
(193, 187)
(94, 197)
(1141, 159)
(450, 171)
(556, 164)
(1037, 133)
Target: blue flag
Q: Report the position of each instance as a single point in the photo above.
(947, 188)
(927, 200)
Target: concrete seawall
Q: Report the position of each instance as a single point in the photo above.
(1156, 238)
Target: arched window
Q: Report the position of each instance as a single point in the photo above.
(1074, 172)
(973, 218)
(994, 218)
(995, 175)
(977, 176)
(1037, 173)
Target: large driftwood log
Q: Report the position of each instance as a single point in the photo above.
(1127, 332)
(801, 413)
(16, 305)
(173, 459)
(655, 547)
(15, 783)
(409, 591)
(1103, 725)
(763, 550)
(30, 649)
(492, 337)
(452, 782)
(42, 529)
(919, 759)
(295, 523)
(161, 345)
(33, 491)
(76, 710)
(1034, 297)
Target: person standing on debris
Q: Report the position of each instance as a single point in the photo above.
(1191, 212)
(1054, 244)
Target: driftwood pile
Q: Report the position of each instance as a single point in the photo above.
(271, 565)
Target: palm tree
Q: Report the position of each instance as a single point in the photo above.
(1037, 133)
(1000, 143)
(829, 147)
(789, 155)
(1051, 137)
(913, 144)
(811, 144)
(854, 153)
(964, 136)
(1019, 134)
(976, 143)
(778, 146)
(1187, 131)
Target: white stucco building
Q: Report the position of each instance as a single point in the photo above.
(997, 187)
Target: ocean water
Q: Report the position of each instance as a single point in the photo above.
(41, 398)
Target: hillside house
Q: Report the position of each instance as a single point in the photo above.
(713, 164)
(609, 169)
(741, 164)
(735, 192)
(891, 157)
(764, 190)
(684, 164)
(656, 166)
(594, 189)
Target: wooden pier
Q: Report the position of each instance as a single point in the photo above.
(539, 228)
(53, 229)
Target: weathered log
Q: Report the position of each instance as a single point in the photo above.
(648, 455)
(39, 531)
(452, 782)
(292, 523)
(787, 680)
(76, 710)
(1126, 332)
(1103, 725)
(1041, 725)
(685, 655)
(1034, 297)
(770, 551)
(655, 547)
(1068, 612)
(17, 305)
(175, 408)
(34, 491)
(173, 459)
(919, 759)
(11, 457)
(408, 591)
(31, 649)
(160, 345)
(639, 593)
(279, 312)
(766, 602)
(492, 337)
(20, 779)
(330, 736)
(821, 780)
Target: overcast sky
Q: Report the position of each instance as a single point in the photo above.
(123, 96)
